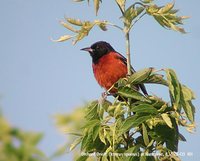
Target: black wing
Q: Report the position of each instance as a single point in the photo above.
(141, 86)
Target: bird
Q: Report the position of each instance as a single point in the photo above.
(109, 66)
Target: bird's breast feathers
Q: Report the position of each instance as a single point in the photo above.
(109, 69)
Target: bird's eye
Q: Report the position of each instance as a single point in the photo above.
(97, 47)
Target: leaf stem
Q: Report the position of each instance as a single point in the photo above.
(111, 24)
(128, 53)
(138, 18)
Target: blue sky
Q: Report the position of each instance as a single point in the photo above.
(40, 78)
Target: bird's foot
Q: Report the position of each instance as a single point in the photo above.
(103, 97)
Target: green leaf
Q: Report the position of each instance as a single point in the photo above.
(140, 76)
(145, 134)
(133, 121)
(131, 93)
(167, 119)
(189, 109)
(144, 108)
(95, 131)
(63, 38)
(185, 101)
(102, 135)
(84, 31)
(166, 8)
(187, 93)
(96, 5)
(131, 13)
(87, 141)
(92, 111)
(132, 150)
(75, 143)
(118, 111)
(82, 158)
(166, 16)
(67, 26)
(91, 124)
(174, 87)
(157, 79)
(74, 21)
(163, 133)
(121, 4)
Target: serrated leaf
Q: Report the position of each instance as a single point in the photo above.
(144, 108)
(140, 76)
(131, 93)
(145, 135)
(75, 143)
(167, 119)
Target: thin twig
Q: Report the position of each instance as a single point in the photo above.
(137, 20)
(111, 24)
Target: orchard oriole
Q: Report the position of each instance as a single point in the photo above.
(109, 65)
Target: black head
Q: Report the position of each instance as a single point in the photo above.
(98, 49)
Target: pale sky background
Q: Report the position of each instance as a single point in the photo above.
(40, 78)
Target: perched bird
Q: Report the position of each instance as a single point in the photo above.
(108, 65)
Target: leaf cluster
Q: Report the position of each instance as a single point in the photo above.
(83, 31)
(19, 145)
(165, 15)
(142, 126)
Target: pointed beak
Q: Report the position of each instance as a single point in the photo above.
(88, 49)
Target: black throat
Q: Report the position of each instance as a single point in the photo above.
(100, 49)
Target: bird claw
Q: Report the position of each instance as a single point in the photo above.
(103, 97)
